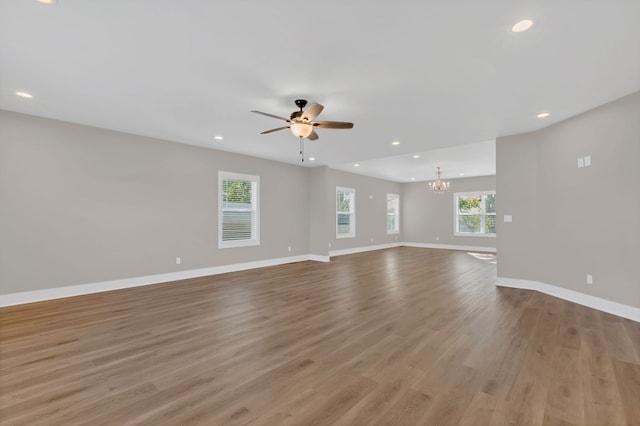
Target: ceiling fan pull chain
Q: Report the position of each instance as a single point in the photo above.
(302, 148)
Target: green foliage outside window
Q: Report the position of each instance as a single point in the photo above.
(344, 201)
(236, 191)
(490, 224)
(469, 204)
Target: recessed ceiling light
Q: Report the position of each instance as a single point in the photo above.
(396, 143)
(218, 138)
(24, 94)
(47, 1)
(543, 114)
(416, 156)
(312, 158)
(522, 26)
(461, 174)
(413, 178)
(356, 164)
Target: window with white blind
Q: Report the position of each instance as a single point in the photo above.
(238, 212)
(393, 214)
(345, 212)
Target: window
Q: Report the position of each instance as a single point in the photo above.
(238, 218)
(345, 212)
(475, 214)
(393, 214)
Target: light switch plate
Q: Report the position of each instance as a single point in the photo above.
(508, 218)
(580, 162)
(587, 161)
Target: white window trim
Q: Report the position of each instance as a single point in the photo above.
(255, 241)
(455, 214)
(397, 214)
(352, 234)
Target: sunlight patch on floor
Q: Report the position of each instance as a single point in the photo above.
(489, 257)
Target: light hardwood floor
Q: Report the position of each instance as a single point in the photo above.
(403, 336)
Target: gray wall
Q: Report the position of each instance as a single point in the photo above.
(517, 195)
(570, 221)
(82, 205)
(426, 215)
(371, 210)
(318, 214)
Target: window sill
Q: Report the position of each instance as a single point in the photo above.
(470, 234)
(340, 236)
(232, 244)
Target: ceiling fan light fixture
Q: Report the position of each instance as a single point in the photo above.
(301, 130)
(303, 124)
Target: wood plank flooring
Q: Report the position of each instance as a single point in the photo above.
(403, 336)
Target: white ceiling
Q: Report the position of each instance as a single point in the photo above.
(445, 78)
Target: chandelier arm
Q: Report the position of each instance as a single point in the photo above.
(439, 186)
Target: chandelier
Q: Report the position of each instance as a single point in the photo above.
(439, 186)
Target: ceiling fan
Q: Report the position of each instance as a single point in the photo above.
(302, 124)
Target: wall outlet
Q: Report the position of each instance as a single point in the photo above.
(178, 260)
(289, 248)
(589, 279)
(371, 196)
(437, 238)
(329, 244)
(372, 239)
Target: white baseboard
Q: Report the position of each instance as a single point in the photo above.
(98, 287)
(363, 249)
(450, 247)
(77, 290)
(319, 258)
(594, 302)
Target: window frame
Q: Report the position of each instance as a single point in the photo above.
(352, 213)
(255, 209)
(483, 214)
(396, 214)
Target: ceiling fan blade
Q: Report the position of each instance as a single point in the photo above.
(274, 130)
(272, 116)
(333, 125)
(312, 112)
(313, 136)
